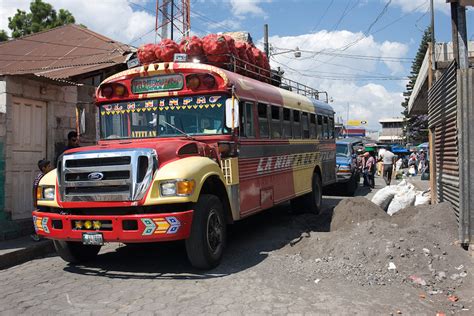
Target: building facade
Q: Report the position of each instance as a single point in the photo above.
(47, 89)
(392, 130)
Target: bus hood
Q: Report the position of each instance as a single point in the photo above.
(167, 149)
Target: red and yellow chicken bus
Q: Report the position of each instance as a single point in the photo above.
(184, 150)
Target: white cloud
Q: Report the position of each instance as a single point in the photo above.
(420, 5)
(347, 79)
(116, 19)
(243, 7)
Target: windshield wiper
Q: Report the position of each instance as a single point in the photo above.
(175, 128)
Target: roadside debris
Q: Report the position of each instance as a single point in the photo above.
(393, 198)
(367, 247)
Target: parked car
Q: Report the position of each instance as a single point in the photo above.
(348, 173)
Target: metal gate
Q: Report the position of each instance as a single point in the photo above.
(442, 111)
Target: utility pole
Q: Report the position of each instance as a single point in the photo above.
(431, 131)
(266, 47)
(465, 117)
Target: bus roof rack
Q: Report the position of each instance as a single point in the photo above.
(272, 76)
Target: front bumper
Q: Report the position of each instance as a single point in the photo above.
(343, 177)
(145, 228)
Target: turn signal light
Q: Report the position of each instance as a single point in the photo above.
(78, 224)
(107, 91)
(119, 90)
(113, 90)
(185, 187)
(209, 81)
(193, 82)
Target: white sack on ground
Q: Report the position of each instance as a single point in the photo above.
(401, 200)
(422, 198)
(384, 196)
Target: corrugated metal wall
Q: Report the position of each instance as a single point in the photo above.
(442, 111)
(470, 102)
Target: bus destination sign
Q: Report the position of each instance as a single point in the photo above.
(157, 83)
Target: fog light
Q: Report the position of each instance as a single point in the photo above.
(78, 224)
(87, 224)
(96, 224)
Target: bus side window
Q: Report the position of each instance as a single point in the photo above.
(276, 123)
(305, 124)
(320, 127)
(331, 127)
(286, 123)
(312, 125)
(296, 124)
(263, 120)
(246, 117)
(325, 128)
(242, 119)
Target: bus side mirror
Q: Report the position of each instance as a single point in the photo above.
(231, 113)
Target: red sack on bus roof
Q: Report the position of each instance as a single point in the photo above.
(266, 66)
(192, 46)
(252, 71)
(166, 49)
(146, 54)
(218, 48)
(241, 49)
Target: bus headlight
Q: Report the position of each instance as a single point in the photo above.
(48, 193)
(177, 187)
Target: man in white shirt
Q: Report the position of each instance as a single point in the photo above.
(387, 158)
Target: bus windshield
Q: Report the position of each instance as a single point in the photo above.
(164, 117)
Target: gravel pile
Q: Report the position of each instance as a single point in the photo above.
(415, 247)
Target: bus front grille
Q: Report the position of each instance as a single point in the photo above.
(109, 175)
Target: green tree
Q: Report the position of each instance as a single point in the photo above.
(42, 16)
(3, 36)
(416, 126)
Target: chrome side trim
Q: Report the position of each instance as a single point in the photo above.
(233, 192)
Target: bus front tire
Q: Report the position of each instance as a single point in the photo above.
(206, 243)
(75, 252)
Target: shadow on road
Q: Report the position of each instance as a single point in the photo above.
(249, 242)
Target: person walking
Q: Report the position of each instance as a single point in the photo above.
(422, 161)
(412, 165)
(369, 170)
(387, 159)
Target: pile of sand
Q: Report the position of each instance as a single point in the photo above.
(415, 247)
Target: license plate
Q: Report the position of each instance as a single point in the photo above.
(92, 239)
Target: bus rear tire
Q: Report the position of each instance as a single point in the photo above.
(206, 243)
(315, 198)
(312, 201)
(75, 252)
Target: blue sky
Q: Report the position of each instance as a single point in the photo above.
(359, 51)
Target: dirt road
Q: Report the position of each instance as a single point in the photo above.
(269, 268)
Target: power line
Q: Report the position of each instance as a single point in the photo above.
(340, 76)
(344, 66)
(323, 15)
(398, 19)
(355, 56)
